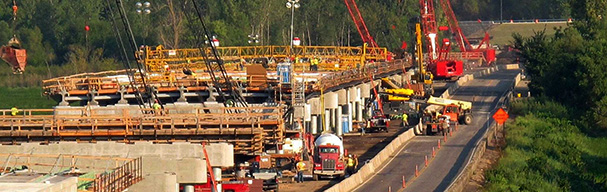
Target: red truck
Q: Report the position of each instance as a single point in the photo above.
(241, 185)
(329, 158)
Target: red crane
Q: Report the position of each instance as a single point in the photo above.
(364, 32)
(360, 23)
(440, 64)
(429, 27)
(487, 53)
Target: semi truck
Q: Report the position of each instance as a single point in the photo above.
(329, 157)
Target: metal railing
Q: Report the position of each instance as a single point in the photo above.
(57, 120)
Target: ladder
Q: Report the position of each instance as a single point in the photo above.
(299, 93)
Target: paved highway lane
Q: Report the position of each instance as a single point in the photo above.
(453, 155)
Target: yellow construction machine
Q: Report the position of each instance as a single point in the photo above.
(423, 77)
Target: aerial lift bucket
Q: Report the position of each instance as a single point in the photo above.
(14, 55)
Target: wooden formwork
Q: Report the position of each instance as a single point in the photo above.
(248, 129)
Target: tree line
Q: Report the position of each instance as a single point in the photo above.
(53, 31)
(569, 67)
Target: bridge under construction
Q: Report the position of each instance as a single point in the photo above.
(102, 106)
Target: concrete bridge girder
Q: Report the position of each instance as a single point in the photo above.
(342, 97)
(331, 100)
(315, 106)
(365, 90)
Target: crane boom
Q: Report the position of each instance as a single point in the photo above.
(429, 26)
(360, 23)
(462, 41)
(488, 53)
(465, 105)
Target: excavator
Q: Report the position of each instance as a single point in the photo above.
(12, 53)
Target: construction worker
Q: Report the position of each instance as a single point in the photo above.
(405, 120)
(157, 107)
(301, 167)
(314, 64)
(14, 111)
(350, 165)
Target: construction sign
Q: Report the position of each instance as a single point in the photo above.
(500, 116)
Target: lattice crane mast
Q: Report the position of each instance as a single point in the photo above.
(429, 27)
(360, 23)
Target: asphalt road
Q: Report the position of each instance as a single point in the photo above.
(484, 92)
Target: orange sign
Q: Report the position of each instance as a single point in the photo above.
(500, 116)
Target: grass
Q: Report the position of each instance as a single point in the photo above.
(24, 98)
(547, 152)
(502, 33)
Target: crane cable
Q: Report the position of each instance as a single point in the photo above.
(14, 41)
(236, 96)
(124, 55)
(129, 32)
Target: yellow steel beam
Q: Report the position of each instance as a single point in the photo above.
(336, 57)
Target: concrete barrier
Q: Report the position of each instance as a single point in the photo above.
(377, 162)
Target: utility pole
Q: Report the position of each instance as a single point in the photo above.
(501, 15)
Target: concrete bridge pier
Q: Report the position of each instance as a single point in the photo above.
(331, 105)
(365, 94)
(315, 112)
(353, 97)
(342, 101)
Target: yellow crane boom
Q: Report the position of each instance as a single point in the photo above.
(464, 105)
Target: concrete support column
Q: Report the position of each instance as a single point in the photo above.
(92, 95)
(188, 188)
(217, 173)
(307, 118)
(315, 112)
(350, 105)
(122, 91)
(359, 109)
(314, 125)
(331, 105)
(334, 120)
(182, 98)
(327, 123)
(64, 94)
(339, 127)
